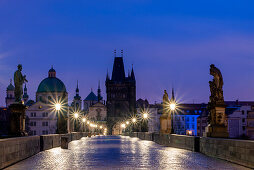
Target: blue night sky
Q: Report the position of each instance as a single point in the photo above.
(170, 43)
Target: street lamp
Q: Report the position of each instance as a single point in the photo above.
(145, 115)
(127, 122)
(58, 106)
(172, 107)
(76, 115)
(134, 120)
(123, 125)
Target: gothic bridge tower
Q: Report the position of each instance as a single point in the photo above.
(121, 94)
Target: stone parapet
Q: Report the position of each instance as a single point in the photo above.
(13, 150)
(237, 151)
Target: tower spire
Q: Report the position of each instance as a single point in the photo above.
(107, 76)
(77, 89)
(132, 73)
(173, 95)
(99, 92)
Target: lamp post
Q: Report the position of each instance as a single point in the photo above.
(145, 117)
(58, 107)
(172, 107)
(83, 120)
(76, 115)
(123, 126)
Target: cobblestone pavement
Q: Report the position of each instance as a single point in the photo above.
(114, 152)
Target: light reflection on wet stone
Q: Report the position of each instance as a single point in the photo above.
(114, 152)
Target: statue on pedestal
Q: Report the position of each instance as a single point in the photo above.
(165, 119)
(217, 126)
(19, 80)
(17, 109)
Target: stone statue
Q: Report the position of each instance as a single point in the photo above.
(165, 102)
(217, 109)
(216, 86)
(19, 80)
(165, 118)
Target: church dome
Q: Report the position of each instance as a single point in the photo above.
(51, 84)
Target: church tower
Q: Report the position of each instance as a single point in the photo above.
(121, 94)
(10, 97)
(77, 100)
(25, 95)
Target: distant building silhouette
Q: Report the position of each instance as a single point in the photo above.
(121, 94)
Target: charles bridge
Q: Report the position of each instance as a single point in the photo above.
(150, 151)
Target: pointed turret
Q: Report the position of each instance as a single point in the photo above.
(77, 97)
(132, 73)
(99, 93)
(107, 76)
(25, 96)
(77, 89)
(173, 95)
(76, 104)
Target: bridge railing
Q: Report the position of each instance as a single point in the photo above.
(13, 150)
(236, 151)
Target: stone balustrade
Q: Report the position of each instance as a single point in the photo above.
(236, 151)
(13, 150)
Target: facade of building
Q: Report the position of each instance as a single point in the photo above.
(237, 121)
(43, 119)
(185, 119)
(237, 113)
(153, 121)
(42, 114)
(250, 124)
(121, 94)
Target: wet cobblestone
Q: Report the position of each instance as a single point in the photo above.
(114, 152)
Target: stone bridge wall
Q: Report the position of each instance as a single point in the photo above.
(13, 150)
(177, 141)
(236, 151)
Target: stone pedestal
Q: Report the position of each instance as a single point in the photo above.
(17, 119)
(165, 124)
(217, 127)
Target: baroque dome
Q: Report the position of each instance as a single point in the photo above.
(51, 84)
